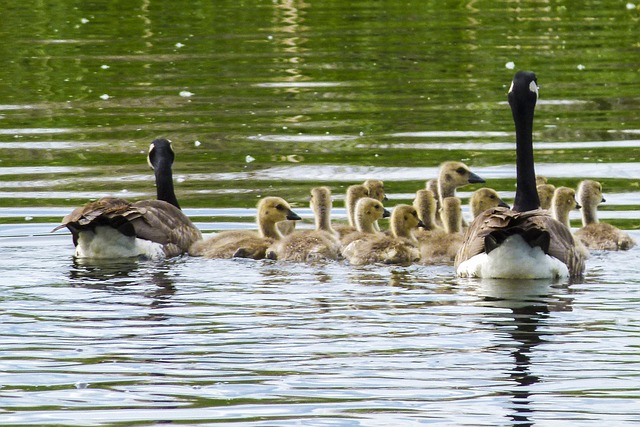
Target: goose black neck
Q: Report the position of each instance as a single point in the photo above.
(164, 183)
(526, 192)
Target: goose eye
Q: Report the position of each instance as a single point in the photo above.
(461, 170)
(280, 207)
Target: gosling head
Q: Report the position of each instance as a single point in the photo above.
(368, 211)
(275, 209)
(404, 218)
(453, 175)
(545, 194)
(483, 199)
(375, 189)
(590, 193)
(563, 202)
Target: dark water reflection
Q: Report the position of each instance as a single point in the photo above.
(266, 98)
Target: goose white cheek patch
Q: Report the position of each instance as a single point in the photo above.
(533, 87)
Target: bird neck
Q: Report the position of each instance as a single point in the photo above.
(268, 228)
(350, 206)
(164, 183)
(589, 214)
(323, 219)
(452, 223)
(428, 218)
(561, 215)
(364, 226)
(526, 192)
(445, 189)
(399, 230)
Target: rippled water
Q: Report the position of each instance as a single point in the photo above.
(274, 97)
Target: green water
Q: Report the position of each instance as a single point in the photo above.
(332, 81)
(269, 97)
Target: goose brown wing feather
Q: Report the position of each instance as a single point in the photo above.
(536, 226)
(152, 220)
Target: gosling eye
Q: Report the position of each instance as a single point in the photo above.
(461, 170)
(280, 207)
(492, 197)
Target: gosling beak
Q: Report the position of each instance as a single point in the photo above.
(291, 215)
(502, 204)
(603, 200)
(475, 179)
(421, 224)
(386, 213)
(578, 205)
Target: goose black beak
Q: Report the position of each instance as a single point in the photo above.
(475, 179)
(292, 216)
(386, 213)
(502, 204)
(421, 224)
(578, 205)
(603, 200)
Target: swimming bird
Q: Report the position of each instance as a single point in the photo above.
(353, 194)
(368, 211)
(116, 228)
(375, 189)
(483, 199)
(310, 245)
(524, 242)
(451, 176)
(595, 234)
(248, 243)
(425, 203)
(562, 203)
(545, 194)
(399, 248)
(441, 245)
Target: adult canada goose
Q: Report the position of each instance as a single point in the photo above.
(545, 194)
(368, 211)
(483, 199)
(440, 246)
(595, 234)
(353, 194)
(400, 248)
(116, 228)
(524, 242)
(310, 245)
(248, 243)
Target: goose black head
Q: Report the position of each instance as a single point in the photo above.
(524, 90)
(160, 150)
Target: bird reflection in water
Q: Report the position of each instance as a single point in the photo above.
(149, 279)
(529, 304)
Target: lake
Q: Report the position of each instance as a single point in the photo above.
(273, 98)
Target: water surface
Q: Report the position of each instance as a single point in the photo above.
(273, 98)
